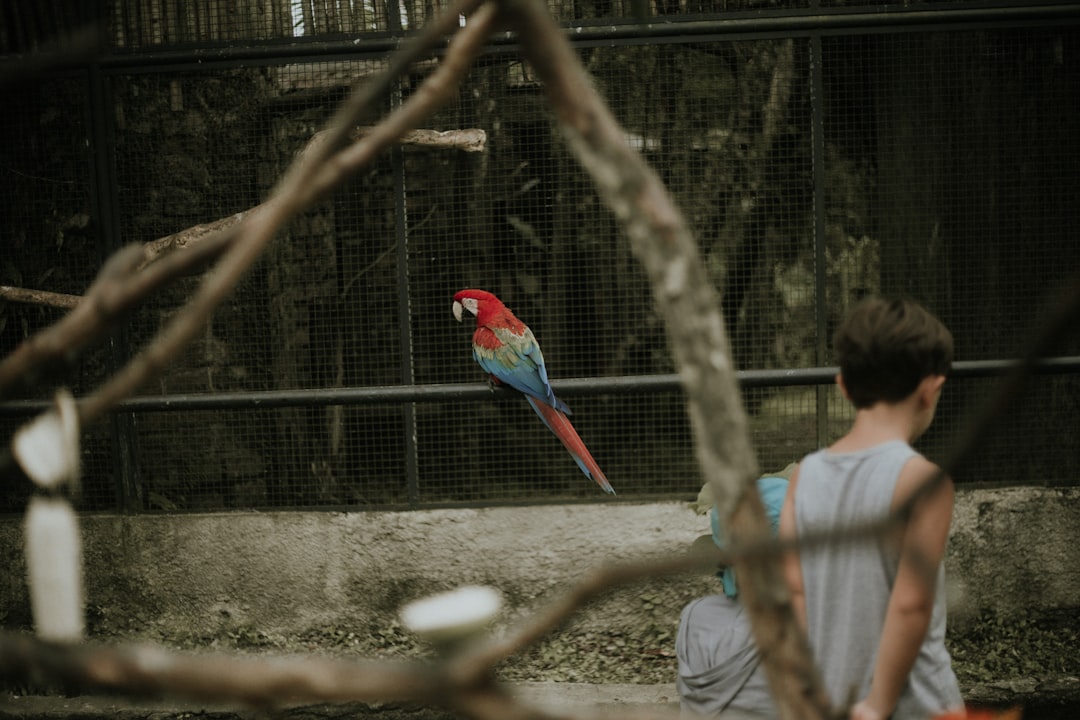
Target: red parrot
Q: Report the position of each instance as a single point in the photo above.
(507, 350)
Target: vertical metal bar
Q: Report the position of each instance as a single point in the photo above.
(405, 323)
(103, 185)
(401, 218)
(817, 100)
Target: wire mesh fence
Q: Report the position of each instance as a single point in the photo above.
(815, 166)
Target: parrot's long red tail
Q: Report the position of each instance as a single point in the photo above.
(559, 424)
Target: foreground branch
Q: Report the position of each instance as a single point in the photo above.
(228, 679)
(266, 684)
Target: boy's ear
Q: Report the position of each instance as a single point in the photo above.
(843, 388)
(930, 387)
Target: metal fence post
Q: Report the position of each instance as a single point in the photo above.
(401, 229)
(103, 187)
(817, 133)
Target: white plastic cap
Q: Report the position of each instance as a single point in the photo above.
(47, 447)
(454, 615)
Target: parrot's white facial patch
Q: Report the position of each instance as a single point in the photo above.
(466, 304)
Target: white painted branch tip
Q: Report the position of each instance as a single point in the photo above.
(452, 616)
(47, 447)
(54, 569)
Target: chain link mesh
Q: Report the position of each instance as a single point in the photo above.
(940, 164)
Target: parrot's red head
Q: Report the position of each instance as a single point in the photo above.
(480, 303)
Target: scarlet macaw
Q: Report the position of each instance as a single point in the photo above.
(507, 350)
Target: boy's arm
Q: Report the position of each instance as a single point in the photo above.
(911, 602)
(792, 568)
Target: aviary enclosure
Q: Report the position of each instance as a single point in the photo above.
(819, 153)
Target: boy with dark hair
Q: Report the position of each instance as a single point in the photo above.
(875, 611)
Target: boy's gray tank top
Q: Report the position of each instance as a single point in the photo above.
(848, 586)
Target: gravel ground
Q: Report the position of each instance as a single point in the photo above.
(989, 649)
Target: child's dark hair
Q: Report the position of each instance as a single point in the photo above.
(885, 347)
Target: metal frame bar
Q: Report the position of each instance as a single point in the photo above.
(732, 26)
(817, 153)
(405, 327)
(101, 130)
(445, 392)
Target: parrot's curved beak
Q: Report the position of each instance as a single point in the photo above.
(457, 310)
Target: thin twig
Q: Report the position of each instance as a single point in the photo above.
(39, 297)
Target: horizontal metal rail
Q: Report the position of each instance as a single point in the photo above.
(613, 31)
(615, 385)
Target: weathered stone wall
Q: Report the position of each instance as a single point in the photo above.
(1014, 550)
(1011, 550)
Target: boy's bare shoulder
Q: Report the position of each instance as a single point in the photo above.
(917, 472)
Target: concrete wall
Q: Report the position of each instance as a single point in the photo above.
(1011, 549)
